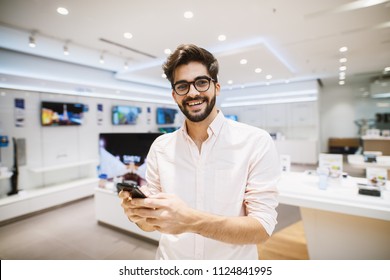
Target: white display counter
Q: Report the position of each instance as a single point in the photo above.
(338, 222)
(108, 210)
(30, 201)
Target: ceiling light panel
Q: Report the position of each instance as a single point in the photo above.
(62, 11)
(255, 57)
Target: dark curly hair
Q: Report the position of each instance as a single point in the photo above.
(187, 53)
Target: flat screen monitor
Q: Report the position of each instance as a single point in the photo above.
(232, 117)
(122, 115)
(61, 113)
(165, 115)
(167, 129)
(120, 150)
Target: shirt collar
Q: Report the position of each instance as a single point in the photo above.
(214, 128)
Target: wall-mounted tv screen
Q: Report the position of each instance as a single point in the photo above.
(232, 117)
(61, 113)
(119, 151)
(165, 115)
(167, 129)
(125, 114)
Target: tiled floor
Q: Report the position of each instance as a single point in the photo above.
(70, 232)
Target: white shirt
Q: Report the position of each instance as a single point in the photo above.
(235, 174)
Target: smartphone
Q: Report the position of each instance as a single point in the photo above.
(133, 189)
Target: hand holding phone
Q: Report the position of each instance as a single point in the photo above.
(133, 189)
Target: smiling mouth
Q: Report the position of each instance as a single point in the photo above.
(195, 102)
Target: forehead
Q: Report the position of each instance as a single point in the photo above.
(188, 72)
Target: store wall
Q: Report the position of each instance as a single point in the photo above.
(48, 147)
(341, 106)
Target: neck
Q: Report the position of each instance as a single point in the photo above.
(198, 130)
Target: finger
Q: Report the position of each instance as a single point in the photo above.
(145, 212)
(145, 190)
(144, 202)
(135, 219)
(124, 194)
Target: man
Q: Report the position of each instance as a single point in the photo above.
(211, 184)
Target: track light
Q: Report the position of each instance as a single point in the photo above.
(66, 49)
(32, 43)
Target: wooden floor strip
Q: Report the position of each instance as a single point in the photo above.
(286, 244)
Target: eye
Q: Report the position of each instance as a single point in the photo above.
(181, 87)
(202, 83)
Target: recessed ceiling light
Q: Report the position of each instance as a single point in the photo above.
(343, 49)
(268, 77)
(387, 69)
(343, 68)
(341, 83)
(188, 14)
(258, 70)
(230, 82)
(167, 51)
(343, 60)
(243, 61)
(221, 37)
(62, 11)
(127, 35)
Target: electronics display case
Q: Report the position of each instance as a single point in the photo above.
(165, 115)
(61, 113)
(125, 115)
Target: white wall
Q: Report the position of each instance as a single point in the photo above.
(56, 146)
(340, 106)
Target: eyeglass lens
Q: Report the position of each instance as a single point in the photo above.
(200, 85)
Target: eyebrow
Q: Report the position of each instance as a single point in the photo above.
(196, 78)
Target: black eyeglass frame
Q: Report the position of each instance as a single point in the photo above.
(193, 83)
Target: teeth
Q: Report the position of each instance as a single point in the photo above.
(195, 103)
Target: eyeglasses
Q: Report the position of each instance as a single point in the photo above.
(201, 84)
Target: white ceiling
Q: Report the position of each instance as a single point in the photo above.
(291, 40)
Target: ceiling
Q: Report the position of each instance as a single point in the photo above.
(289, 40)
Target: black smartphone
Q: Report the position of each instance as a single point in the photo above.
(133, 189)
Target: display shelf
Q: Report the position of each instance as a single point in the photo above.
(62, 166)
(29, 201)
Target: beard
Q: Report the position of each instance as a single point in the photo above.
(197, 117)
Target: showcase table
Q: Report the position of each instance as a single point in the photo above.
(338, 222)
(108, 211)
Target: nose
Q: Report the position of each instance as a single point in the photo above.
(193, 91)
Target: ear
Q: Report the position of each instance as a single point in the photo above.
(174, 95)
(217, 88)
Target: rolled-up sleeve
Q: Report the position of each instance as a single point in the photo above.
(261, 191)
